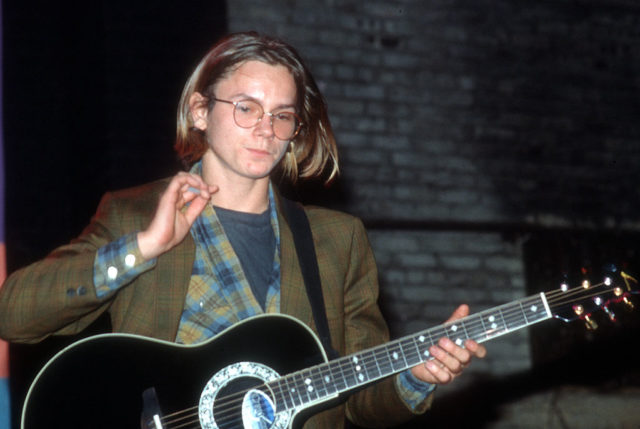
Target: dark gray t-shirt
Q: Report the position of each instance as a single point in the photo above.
(254, 242)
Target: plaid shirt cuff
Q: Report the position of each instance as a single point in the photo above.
(413, 391)
(118, 263)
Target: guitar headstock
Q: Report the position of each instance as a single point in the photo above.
(582, 301)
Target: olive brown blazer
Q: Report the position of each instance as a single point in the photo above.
(56, 296)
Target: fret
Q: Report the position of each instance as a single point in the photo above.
(464, 329)
(424, 341)
(384, 361)
(524, 313)
(339, 378)
(454, 330)
(349, 372)
(312, 385)
(299, 388)
(494, 328)
(511, 319)
(375, 359)
(418, 354)
(538, 309)
(504, 323)
(308, 386)
(438, 332)
(318, 382)
(370, 363)
(395, 355)
(328, 381)
(290, 391)
(517, 318)
(411, 358)
(475, 328)
(283, 400)
(303, 384)
(358, 365)
(484, 327)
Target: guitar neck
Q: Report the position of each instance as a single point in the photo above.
(321, 382)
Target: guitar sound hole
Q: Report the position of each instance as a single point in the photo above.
(244, 403)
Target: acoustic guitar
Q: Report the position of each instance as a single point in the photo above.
(266, 372)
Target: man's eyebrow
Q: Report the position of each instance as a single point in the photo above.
(242, 96)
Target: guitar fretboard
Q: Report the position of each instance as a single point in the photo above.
(318, 383)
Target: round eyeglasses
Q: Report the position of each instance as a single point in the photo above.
(248, 113)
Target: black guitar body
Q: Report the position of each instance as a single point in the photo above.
(99, 382)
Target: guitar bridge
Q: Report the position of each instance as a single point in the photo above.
(150, 418)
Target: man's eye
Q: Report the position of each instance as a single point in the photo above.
(244, 108)
(284, 117)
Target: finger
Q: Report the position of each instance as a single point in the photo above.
(476, 349)
(460, 312)
(194, 209)
(185, 187)
(441, 375)
(447, 360)
(199, 188)
(459, 353)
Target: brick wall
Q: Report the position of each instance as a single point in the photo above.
(466, 127)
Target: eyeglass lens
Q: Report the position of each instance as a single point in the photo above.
(248, 113)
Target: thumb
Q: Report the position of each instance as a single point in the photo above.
(194, 209)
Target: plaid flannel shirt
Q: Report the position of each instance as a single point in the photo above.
(219, 294)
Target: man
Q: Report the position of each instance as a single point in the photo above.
(185, 258)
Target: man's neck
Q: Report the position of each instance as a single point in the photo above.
(237, 193)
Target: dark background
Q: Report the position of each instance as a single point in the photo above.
(91, 91)
(90, 99)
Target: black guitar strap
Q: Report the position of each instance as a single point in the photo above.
(309, 266)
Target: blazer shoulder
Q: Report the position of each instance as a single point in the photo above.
(127, 210)
(320, 217)
(141, 197)
(140, 192)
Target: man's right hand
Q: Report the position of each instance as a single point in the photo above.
(172, 220)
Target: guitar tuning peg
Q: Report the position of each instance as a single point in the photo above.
(590, 323)
(610, 313)
(619, 292)
(600, 303)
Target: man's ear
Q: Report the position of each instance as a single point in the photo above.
(199, 111)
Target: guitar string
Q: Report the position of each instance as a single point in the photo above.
(341, 364)
(554, 298)
(508, 317)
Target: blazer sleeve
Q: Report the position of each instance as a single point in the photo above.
(379, 405)
(56, 296)
(350, 287)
